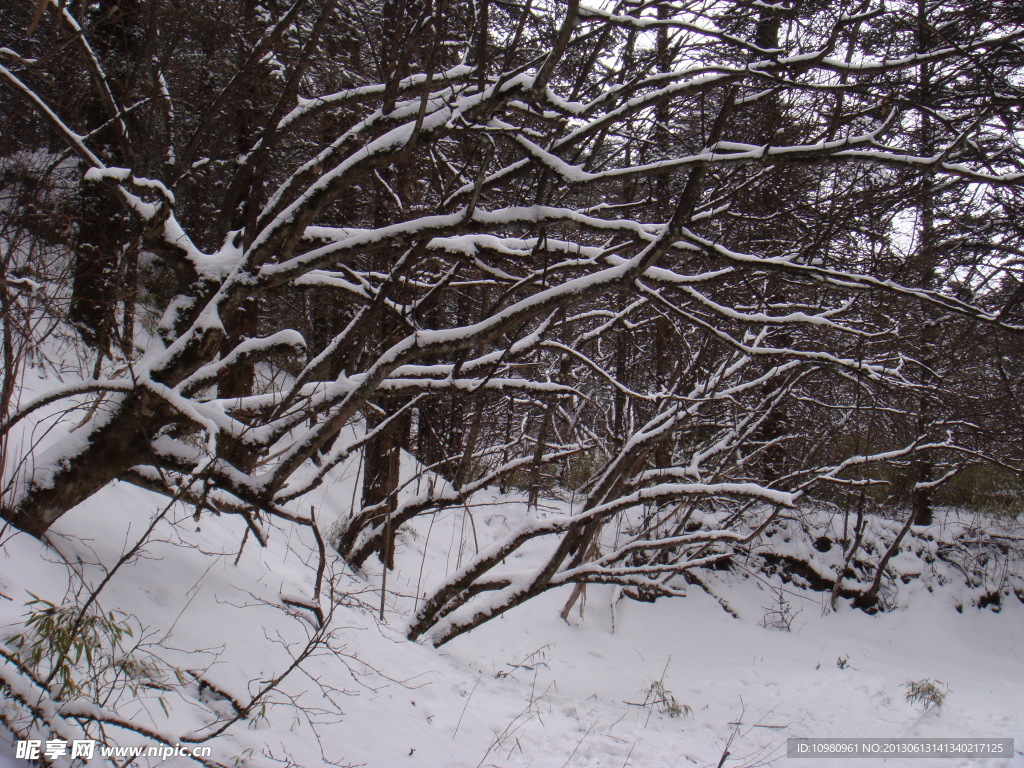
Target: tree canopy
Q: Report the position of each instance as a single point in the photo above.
(687, 263)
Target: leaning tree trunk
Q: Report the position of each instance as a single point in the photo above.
(111, 449)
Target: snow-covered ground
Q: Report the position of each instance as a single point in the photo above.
(526, 689)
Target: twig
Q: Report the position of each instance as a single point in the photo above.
(466, 706)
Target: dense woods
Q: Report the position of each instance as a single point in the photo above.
(684, 264)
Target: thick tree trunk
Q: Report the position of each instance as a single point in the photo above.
(922, 502)
(924, 271)
(120, 443)
(98, 244)
(381, 478)
(239, 381)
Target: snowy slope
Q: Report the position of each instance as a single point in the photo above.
(524, 690)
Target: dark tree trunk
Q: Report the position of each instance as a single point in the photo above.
(114, 448)
(381, 477)
(97, 246)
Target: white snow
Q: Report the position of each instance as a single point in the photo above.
(526, 689)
